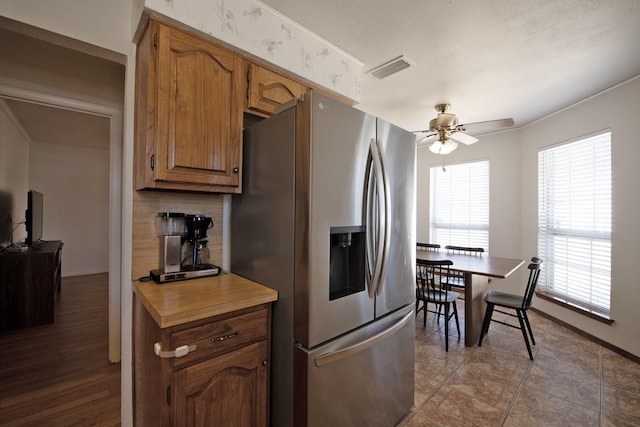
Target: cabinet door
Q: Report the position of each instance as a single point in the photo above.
(268, 90)
(198, 112)
(229, 390)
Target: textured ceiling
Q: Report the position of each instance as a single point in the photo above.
(490, 59)
(54, 125)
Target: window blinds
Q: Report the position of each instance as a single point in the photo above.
(459, 205)
(574, 221)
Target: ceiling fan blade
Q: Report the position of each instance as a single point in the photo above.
(426, 138)
(463, 137)
(479, 127)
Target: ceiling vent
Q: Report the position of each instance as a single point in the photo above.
(391, 67)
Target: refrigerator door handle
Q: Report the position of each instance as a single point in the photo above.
(327, 358)
(385, 206)
(376, 218)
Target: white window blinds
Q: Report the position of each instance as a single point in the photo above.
(459, 205)
(574, 221)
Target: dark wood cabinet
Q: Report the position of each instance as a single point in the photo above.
(29, 281)
(222, 381)
(268, 90)
(188, 113)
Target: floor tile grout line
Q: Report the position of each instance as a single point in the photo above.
(601, 359)
(539, 345)
(444, 381)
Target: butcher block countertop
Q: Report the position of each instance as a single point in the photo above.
(175, 303)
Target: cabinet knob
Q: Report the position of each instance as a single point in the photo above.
(265, 362)
(236, 169)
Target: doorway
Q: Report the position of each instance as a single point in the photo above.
(75, 81)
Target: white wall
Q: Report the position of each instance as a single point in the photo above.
(109, 25)
(503, 152)
(14, 156)
(513, 157)
(616, 109)
(75, 185)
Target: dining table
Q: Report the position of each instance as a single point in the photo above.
(477, 271)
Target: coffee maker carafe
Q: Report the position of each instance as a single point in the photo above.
(196, 256)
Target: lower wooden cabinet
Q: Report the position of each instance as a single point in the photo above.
(222, 381)
(228, 390)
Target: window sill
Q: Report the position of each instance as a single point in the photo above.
(601, 317)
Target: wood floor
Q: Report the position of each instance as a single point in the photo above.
(60, 374)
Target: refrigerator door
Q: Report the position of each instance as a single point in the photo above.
(332, 149)
(397, 149)
(262, 235)
(365, 378)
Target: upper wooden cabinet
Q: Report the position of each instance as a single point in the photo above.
(188, 113)
(267, 90)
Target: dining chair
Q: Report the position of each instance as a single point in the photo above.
(427, 246)
(518, 303)
(437, 292)
(457, 278)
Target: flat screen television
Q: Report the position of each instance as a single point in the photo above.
(6, 226)
(33, 217)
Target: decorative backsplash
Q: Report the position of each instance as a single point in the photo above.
(261, 31)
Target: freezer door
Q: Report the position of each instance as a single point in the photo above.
(332, 149)
(398, 155)
(365, 378)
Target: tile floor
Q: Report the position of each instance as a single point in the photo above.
(571, 382)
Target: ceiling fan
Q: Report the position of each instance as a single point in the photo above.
(449, 133)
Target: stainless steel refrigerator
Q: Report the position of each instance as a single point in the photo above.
(327, 218)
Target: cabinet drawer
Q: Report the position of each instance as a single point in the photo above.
(214, 339)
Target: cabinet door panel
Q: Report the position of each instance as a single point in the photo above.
(229, 390)
(199, 119)
(193, 116)
(193, 119)
(268, 90)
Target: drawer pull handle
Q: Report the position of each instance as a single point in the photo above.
(225, 337)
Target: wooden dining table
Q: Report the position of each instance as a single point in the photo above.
(477, 270)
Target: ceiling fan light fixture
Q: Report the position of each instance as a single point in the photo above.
(443, 148)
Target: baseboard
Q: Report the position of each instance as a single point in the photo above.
(590, 337)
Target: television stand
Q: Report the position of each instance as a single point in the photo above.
(29, 281)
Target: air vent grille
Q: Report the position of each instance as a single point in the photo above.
(388, 68)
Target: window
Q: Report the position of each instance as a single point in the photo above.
(459, 213)
(574, 221)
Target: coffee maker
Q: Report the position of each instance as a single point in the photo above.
(197, 254)
(183, 248)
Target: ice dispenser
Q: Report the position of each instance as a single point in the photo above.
(346, 261)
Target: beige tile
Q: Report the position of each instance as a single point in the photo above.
(490, 379)
(451, 408)
(562, 379)
(507, 342)
(425, 386)
(620, 372)
(572, 381)
(621, 405)
(417, 420)
(534, 407)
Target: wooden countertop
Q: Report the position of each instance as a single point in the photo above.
(176, 303)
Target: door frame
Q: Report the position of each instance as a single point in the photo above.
(115, 117)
